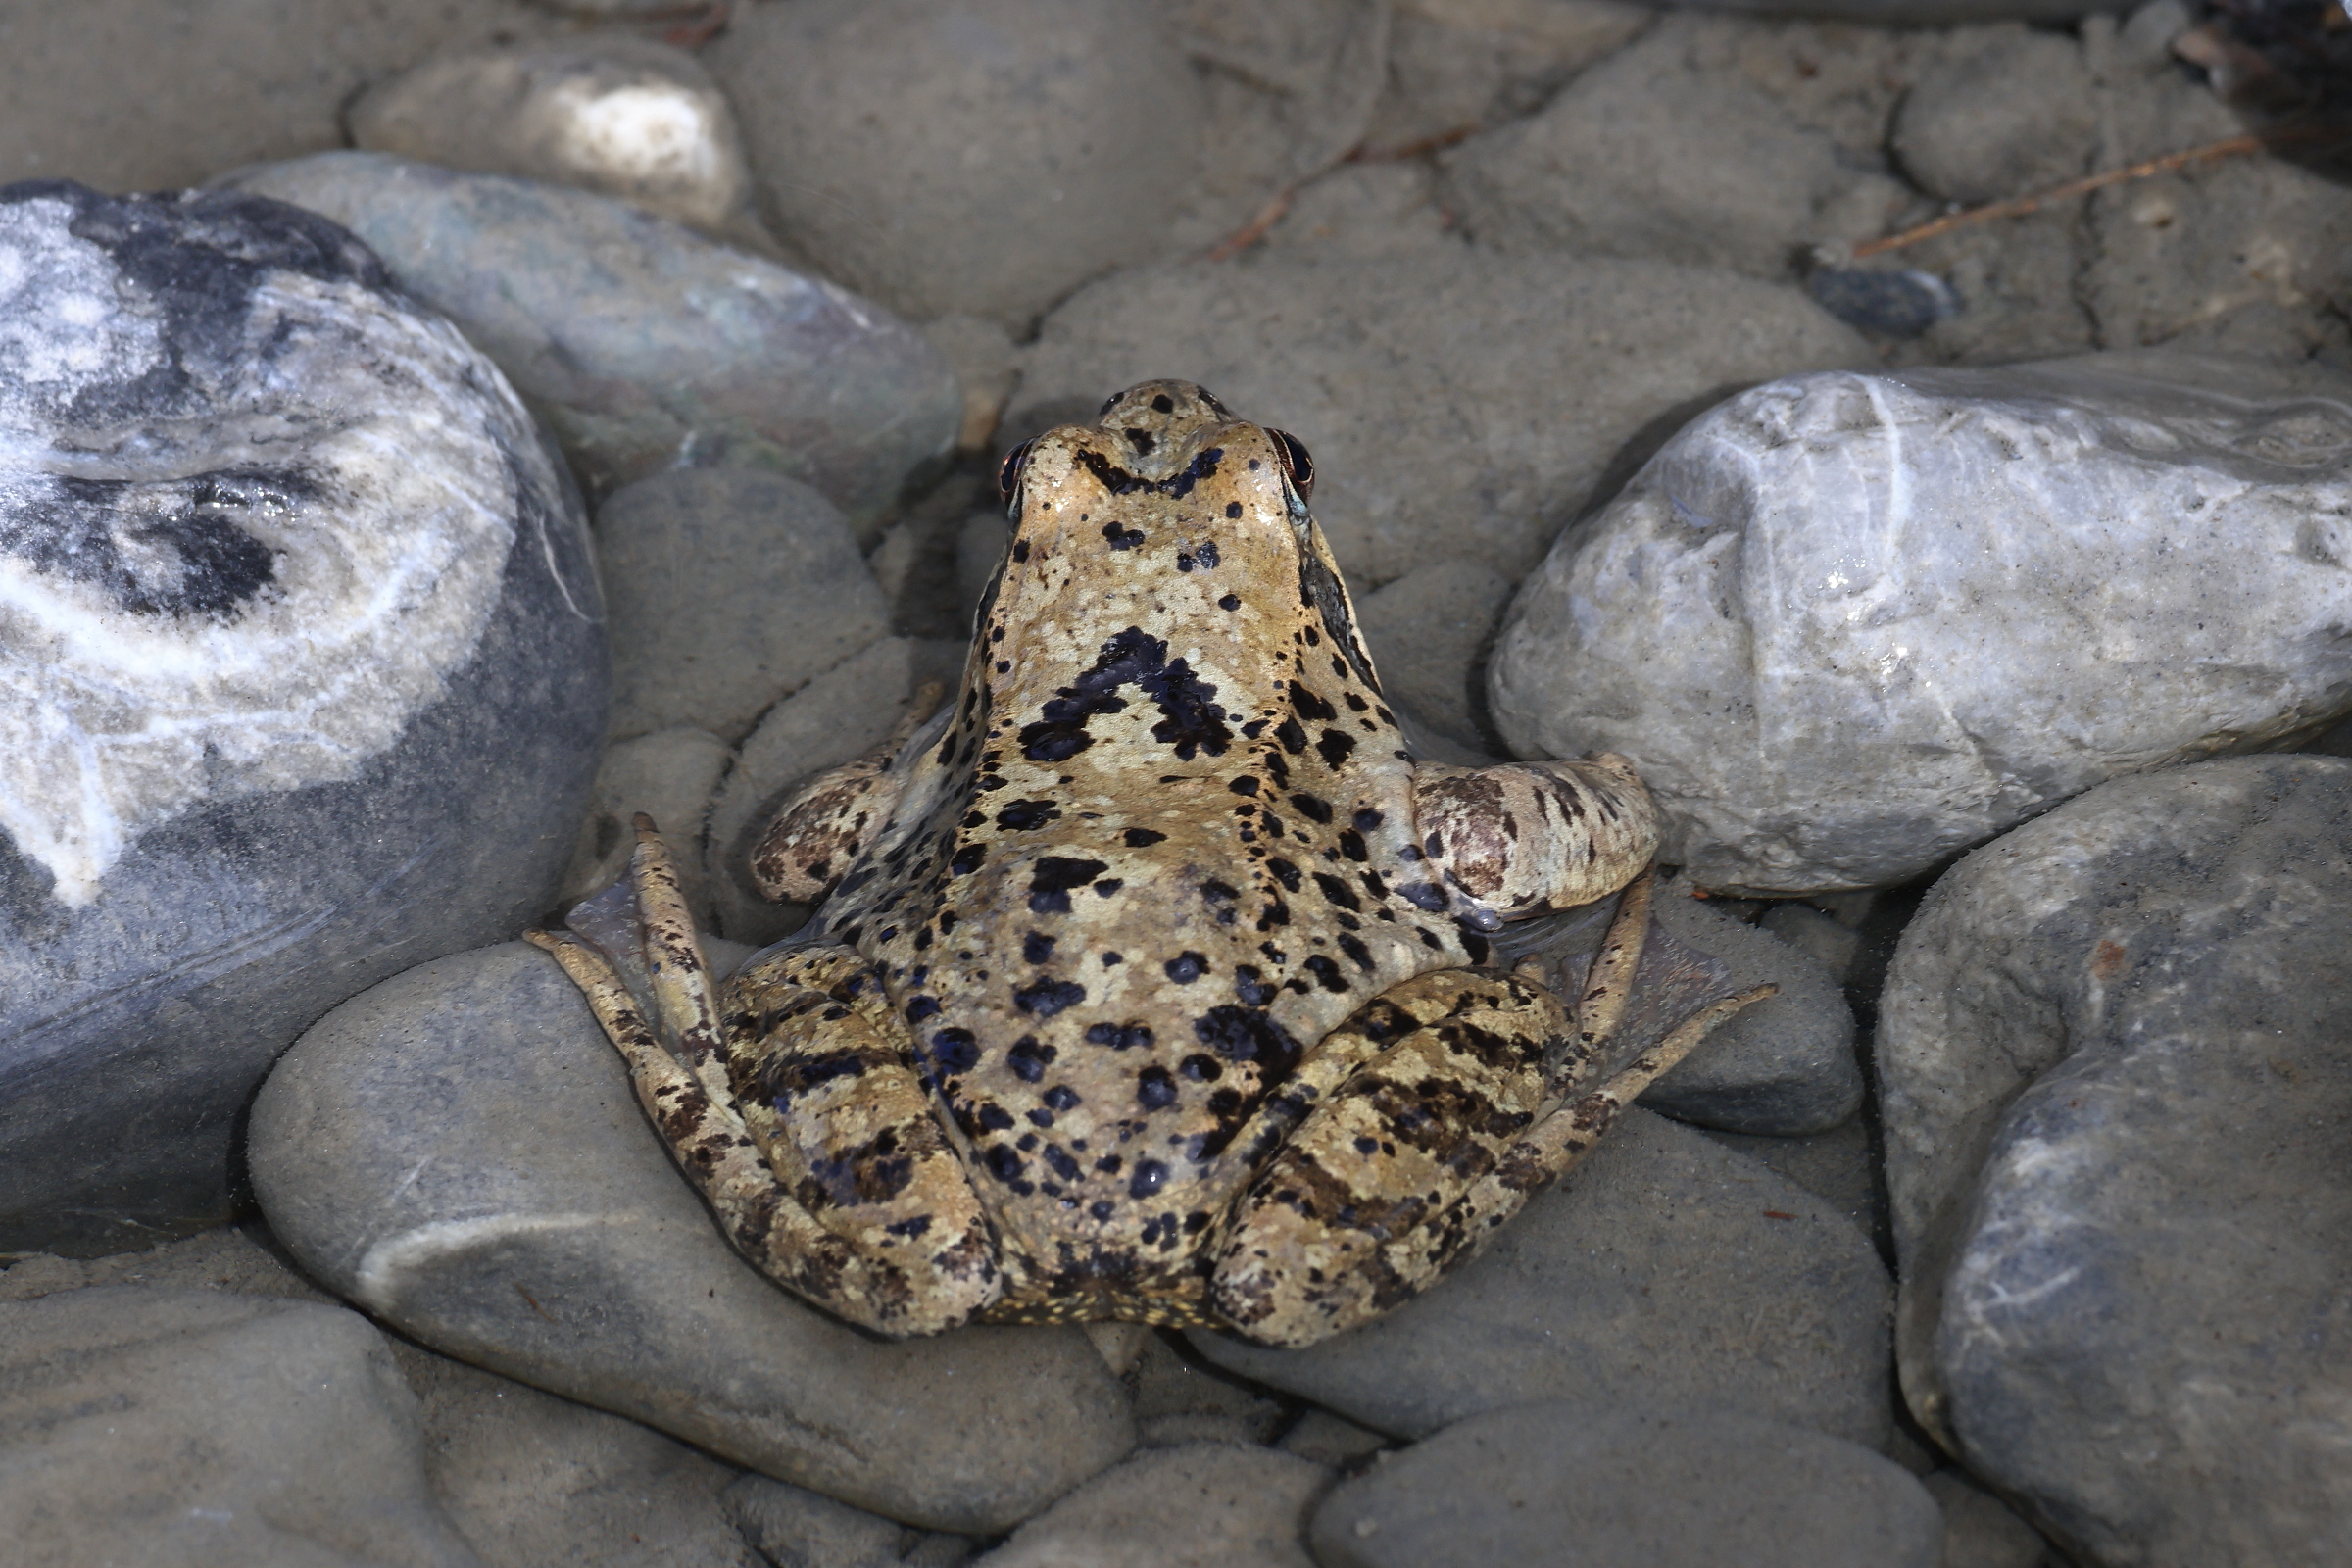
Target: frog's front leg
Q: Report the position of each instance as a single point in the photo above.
(835, 815)
(1520, 838)
(800, 1118)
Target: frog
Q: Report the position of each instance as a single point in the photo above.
(1151, 977)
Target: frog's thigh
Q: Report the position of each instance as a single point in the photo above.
(1356, 1212)
(1526, 836)
(710, 1143)
(824, 1081)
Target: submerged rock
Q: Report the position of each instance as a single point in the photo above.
(1847, 626)
(302, 678)
(1425, 452)
(2116, 1080)
(643, 345)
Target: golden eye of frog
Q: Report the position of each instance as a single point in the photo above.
(1150, 976)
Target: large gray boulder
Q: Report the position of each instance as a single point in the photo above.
(1424, 452)
(2116, 1076)
(302, 678)
(1847, 626)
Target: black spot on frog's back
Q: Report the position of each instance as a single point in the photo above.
(1191, 719)
(1054, 876)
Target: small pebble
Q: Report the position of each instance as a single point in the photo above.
(1890, 304)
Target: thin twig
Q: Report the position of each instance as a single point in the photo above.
(1418, 147)
(1250, 233)
(2020, 206)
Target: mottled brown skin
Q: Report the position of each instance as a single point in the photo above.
(1152, 980)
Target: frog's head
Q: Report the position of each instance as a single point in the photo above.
(1167, 507)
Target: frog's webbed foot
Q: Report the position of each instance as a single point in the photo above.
(821, 829)
(1470, 1097)
(802, 1124)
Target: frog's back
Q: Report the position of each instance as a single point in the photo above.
(1164, 847)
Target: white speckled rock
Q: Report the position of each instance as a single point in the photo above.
(147, 1425)
(2116, 1081)
(459, 1150)
(985, 157)
(607, 111)
(1668, 1273)
(1425, 451)
(642, 344)
(1197, 1505)
(1604, 1487)
(1848, 625)
(302, 678)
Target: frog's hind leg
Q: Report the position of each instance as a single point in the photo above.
(1476, 1103)
(686, 1074)
(1338, 1226)
(825, 1078)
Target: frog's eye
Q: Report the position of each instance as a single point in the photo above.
(1009, 476)
(1295, 463)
